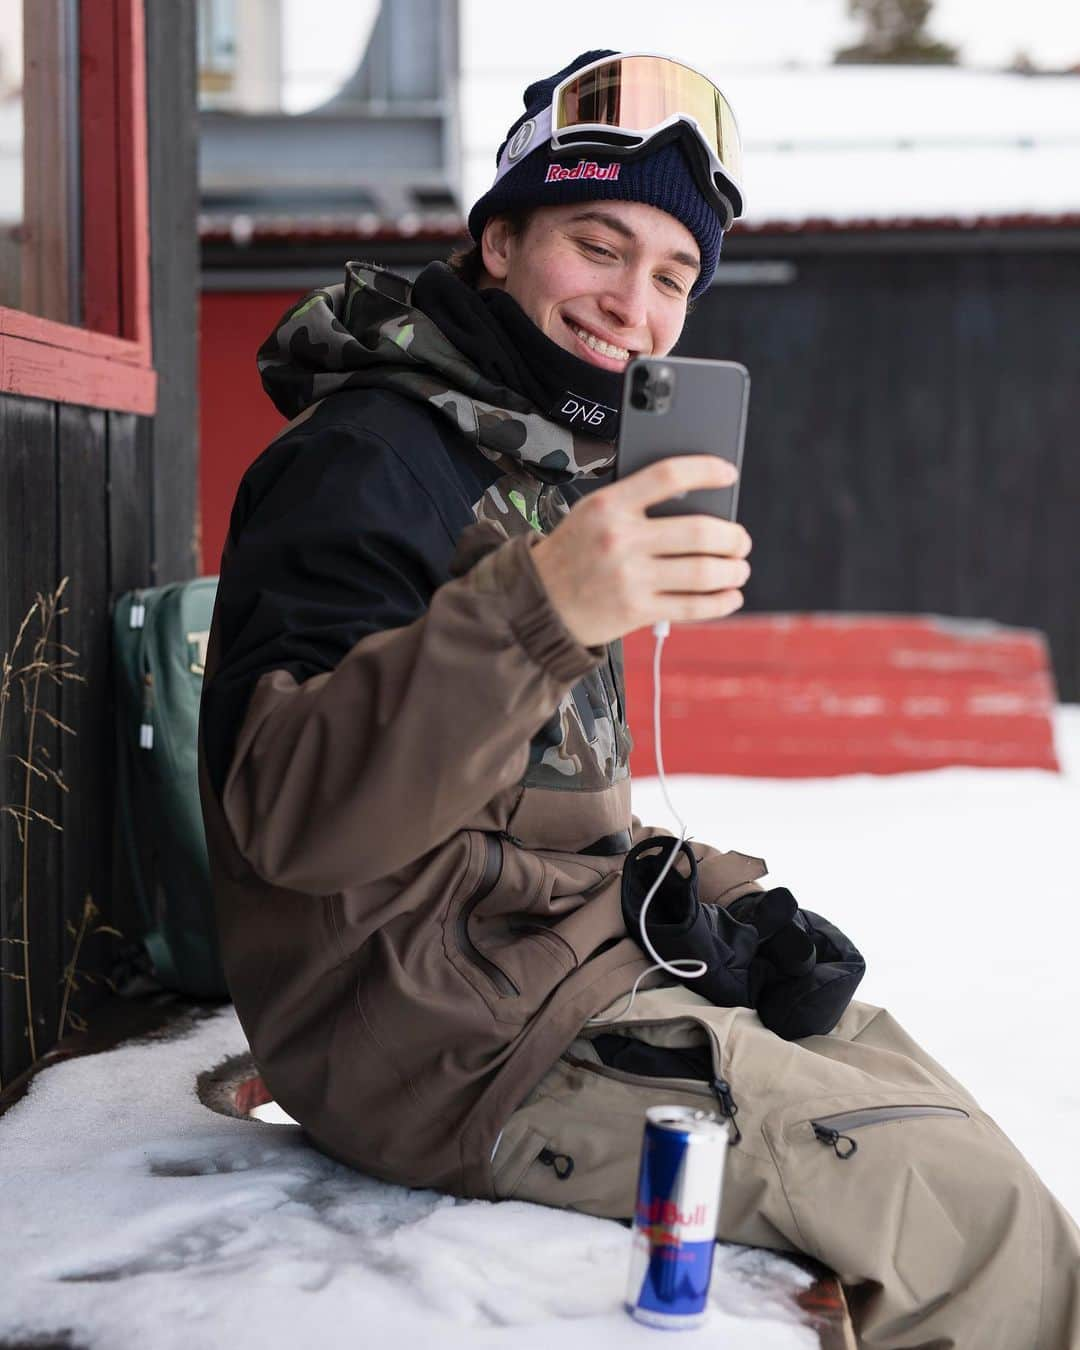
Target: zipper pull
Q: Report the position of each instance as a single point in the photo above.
(511, 838)
(833, 1137)
(561, 1163)
(722, 1091)
(146, 726)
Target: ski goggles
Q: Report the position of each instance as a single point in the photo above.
(631, 104)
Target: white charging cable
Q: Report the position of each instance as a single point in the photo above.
(688, 969)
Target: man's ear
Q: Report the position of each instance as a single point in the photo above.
(495, 245)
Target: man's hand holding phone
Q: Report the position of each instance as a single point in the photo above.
(610, 569)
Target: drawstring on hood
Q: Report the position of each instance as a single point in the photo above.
(502, 382)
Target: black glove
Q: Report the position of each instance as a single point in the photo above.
(681, 928)
(761, 951)
(806, 969)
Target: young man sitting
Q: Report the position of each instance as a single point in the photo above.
(415, 760)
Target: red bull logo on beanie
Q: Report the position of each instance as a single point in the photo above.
(584, 168)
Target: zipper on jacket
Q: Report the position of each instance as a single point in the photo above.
(488, 879)
(560, 1163)
(833, 1130)
(728, 1109)
(615, 688)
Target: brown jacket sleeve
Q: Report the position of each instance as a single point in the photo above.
(352, 774)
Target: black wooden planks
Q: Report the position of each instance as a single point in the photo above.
(28, 538)
(107, 499)
(912, 438)
(88, 755)
(130, 523)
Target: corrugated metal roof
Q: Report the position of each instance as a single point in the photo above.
(245, 229)
(242, 231)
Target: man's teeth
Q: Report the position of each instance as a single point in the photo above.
(604, 348)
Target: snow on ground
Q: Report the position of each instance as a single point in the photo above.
(132, 1216)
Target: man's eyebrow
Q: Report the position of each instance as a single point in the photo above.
(620, 227)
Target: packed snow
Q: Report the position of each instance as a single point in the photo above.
(131, 1215)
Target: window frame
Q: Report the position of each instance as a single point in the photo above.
(108, 362)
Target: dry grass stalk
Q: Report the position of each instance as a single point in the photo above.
(48, 662)
(72, 975)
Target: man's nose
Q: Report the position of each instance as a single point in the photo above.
(626, 298)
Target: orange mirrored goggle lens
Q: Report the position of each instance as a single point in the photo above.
(637, 93)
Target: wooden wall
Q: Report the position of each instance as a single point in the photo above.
(108, 500)
(913, 443)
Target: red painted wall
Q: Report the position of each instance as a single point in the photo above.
(236, 419)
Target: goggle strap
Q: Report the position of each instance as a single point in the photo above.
(535, 134)
(522, 143)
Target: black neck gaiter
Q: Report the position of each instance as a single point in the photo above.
(491, 330)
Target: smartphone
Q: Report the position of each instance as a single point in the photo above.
(677, 405)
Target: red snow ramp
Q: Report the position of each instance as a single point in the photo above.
(815, 695)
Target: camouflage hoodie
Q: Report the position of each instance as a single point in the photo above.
(414, 779)
(366, 333)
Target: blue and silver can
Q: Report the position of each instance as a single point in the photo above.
(678, 1200)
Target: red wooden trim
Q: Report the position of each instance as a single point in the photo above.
(132, 186)
(14, 323)
(107, 363)
(63, 375)
(97, 119)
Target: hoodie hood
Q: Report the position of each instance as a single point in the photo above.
(367, 332)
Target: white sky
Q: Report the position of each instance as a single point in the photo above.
(538, 39)
(752, 32)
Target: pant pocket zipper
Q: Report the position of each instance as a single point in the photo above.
(717, 1087)
(834, 1130)
(560, 1163)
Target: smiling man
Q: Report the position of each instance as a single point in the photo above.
(414, 757)
(606, 284)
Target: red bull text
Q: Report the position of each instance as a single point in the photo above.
(584, 168)
(678, 1200)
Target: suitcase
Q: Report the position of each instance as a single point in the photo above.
(159, 646)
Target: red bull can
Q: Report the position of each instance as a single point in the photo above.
(678, 1200)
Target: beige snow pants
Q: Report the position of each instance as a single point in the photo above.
(941, 1233)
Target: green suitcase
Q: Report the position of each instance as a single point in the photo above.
(159, 645)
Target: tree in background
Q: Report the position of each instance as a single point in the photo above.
(894, 33)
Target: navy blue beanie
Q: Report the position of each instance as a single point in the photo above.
(662, 179)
